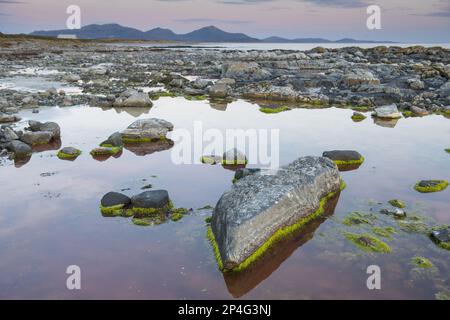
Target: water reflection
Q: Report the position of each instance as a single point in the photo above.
(144, 149)
(386, 123)
(241, 283)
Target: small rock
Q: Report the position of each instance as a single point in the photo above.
(234, 157)
(114, 140)
(151, 199)
(114, 199)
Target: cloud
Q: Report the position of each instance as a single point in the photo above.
(207, 20)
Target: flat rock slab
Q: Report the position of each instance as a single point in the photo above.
(258, 205)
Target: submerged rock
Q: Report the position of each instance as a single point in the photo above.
(427, 186)
(259, 209)
(146, 130)
(387, 112)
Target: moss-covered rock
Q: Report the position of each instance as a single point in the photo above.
(358, 116)
(421, 262)
(441, 236)
(68, 153)
(427, 186)
(447, 150)
(105, 151)
(368, 243)
(397, 203)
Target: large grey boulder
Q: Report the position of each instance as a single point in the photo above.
(260, 204)
(146, 130)
(218, 91)
(387, 112)
(114, 140)
(38, 137)
(20, 149)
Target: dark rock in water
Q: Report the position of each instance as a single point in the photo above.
(243, 172)
(115, 199)
(114, 140)
(20, 149)
(346, 160)
(442, 235)
(343, 156)
(151, 199)
(396, 212)
(251, 214)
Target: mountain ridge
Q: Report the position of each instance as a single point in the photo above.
(205, 34)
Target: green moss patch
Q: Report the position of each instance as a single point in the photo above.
(129, 140)
(208, 219)
(407, 113)
(447, 150)
(368, 243)
(280, 234)
(422, 262)
(234, 162)
(356, 218)
(385, 232)
(274, 110)
(157, 95)
(397, 203)
(113, 211)
(141, 222)
(358, 117)
(431, 186)
(178, 214)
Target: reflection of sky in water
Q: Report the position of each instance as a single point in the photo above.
(47, 223)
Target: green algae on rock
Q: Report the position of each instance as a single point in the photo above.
(68, 153)
(274, 110)
(397, 203)
(441, 236)
(422, 262)
(105, 151)
(368, 243)
(428, 186)
(357, 117)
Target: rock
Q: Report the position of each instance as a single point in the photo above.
(5, 118)
(396, 212)
(137, 100)
(68, 153)
(114, 140)
(359, 77)
(112, 199)
(358, 116)
(418, 111)
(234, 157)
(200, 83)
(20, 149)
(38, 137)
(105, 151)
(52, 127)
(151, 199)
(146, 130)
(416, 84)
(226, 81)
(441, 236)
(344, 156)
(427, 186)
(397, 203)
(257, 207)
(72, 78)
(245, 71)
(218, 91)
(211, 159)
(243, 172)
(9, 134)
(387, 112)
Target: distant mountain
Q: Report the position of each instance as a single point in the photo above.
(206, 34)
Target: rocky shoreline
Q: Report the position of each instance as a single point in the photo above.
(416, 79)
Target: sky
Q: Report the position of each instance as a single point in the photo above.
(401, 20)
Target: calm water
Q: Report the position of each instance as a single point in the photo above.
(49, 215)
